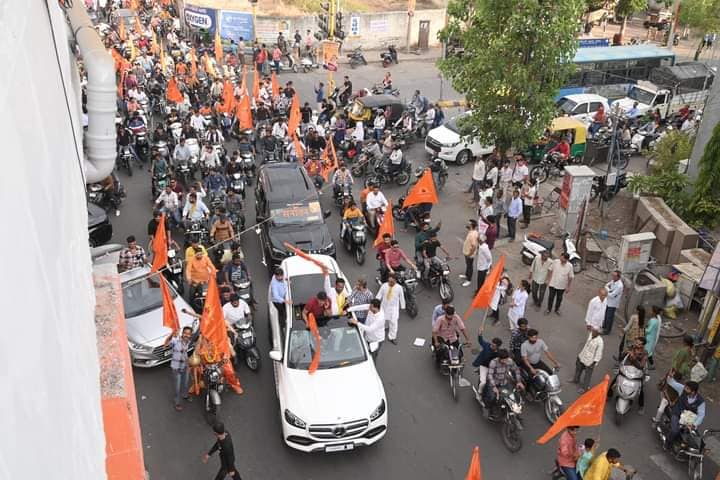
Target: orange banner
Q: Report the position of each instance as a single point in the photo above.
(484, 296)
(387, 226)
(330, 52)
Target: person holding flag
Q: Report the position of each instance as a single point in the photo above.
(179, 346)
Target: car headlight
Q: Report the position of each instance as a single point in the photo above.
(451, 145)
(294, 420)
(377, 413)
(138, 347)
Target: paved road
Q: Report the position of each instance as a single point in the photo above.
(429, 436)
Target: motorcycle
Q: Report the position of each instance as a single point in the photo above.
(214, 386)
(247, 160)
(690, 446)
(142, 147)
(365, 162)
(356, 58)
(571, 251)
(627, 388)
(237, 183)
(159, 182)
(452, 364)
(245, 346)
(550, 166)
(243, 288)
(384, 175)
(408, 280)
(534, 245)
(379, 89)
(355, 238)
(507, 409)
(196, 229)
(162, 148)
(342, 194)
(174, 271)
(125, 160)
(544, 387)
(389, 57)
(307, 62)
(184, 172)
(438, 276)
(374, 218)
(607, 189)
(176, 131)
(107, 201)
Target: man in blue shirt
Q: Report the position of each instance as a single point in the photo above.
(482, 361)
(634, 111)
(689, 400)
(514, 211)
(278, 293)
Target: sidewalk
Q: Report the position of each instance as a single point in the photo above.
(430, 55)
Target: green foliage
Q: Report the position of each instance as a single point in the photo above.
(627, 7)
(592, 5)
(672, 148)
(702, 15)
(705, 194)
(517, 55)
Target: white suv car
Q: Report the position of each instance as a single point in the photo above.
(449, 145)
(340, 406)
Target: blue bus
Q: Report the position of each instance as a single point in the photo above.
(615, 66)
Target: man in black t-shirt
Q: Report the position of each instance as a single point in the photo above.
(224, 445)
(429, 252)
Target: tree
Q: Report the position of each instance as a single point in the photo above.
(701, 15)
(704, 199)
(518, 53)
(626, 8)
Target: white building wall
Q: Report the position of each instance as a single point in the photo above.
(50, 411)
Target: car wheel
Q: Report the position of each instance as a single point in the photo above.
(463, 157)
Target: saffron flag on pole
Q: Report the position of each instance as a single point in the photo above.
(306, 256)
(274, 85)
(256, 85)
(474, 472)
(228, 100)
(173, 92)
(218, 47)
(243, 113)
(294, 118)
(212, 321)
(154, 46)
(586, 411)
(121, 30)
(299, 152)
(423, 191)
(387, 226)
(160, 246)
(315, 362)
(170, 316)
(138, 27)
(484, 295)
(193, 64)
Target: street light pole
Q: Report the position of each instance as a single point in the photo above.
(408, 33)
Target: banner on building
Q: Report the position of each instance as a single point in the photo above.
(200, 17)
(236, 24)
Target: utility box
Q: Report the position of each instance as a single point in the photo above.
(635, 251)
(574, 196)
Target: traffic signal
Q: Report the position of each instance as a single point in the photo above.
(324, 27)
(339, 31)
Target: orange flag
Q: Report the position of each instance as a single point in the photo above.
(256, 85)
(474, 472)
(298, 149)
(154, 47)
(484, 295)
(173, 92)
(212, 322)
(304, 255)
(138, 27)
(134, 5)
(334, 163)
(275, 85)
(121, 85)
(170, 316)
(294, 118)
(387, 226)
(160, 246)
(228, 100)
(209, 68)
(193, 64)
(586, 411)
(423, 191)
(119, 60)
(218, 47)
(243, 83)
(312, 325)
(121, 30)
(243, 113)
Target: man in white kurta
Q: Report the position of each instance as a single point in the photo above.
(392, 298)
(595, 314)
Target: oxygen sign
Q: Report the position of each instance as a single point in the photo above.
(199, 17)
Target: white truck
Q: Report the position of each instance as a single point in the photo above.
(669, 89)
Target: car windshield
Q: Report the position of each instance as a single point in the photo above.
(141, 296)
(297, 214)
(452, 125)
(340, 345)
(641, 96)
(304, 287)
(566, 105)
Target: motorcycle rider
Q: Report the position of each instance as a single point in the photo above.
(197, 272)
(352, 215)
(159, 167)
(214, 182)
(375, 203)
(136, 122)
(160, 134)
(393, 258)
(213, 136)
(269, 143)
(429, 253)
(447, 328)
(124, 140)
(342, 178)
(396, 162)
(532, 351)
(235, 311)
(209, 158)
(689, 400)
(198, 122)
(419, 102)
(181, 153)
(501, 370)
(169, 204)
(637, 357)
(563, 149)
(235, 270)
(488, 354)
(280, 128)
(195, 209)
(387, 83)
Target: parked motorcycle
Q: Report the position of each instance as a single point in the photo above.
(356, 58)
(627, 388)
(544, 387)
(245, 346)
(452, 364)
(534, 245)
(607, 189)
(366, 162)
(389, 56)
(108, 201)
(550, 166)
(355, 238)
(214, 382)
(438, 276)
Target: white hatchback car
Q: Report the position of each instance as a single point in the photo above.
(582, 106)
(449, 145)
(340, 406)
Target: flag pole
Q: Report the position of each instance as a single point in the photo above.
(485, 315)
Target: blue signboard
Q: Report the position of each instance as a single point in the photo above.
(594, 42)
(200, 17)
(236, 24)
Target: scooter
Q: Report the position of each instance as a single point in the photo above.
(356, 58)
(355, 238)
(290, 65)
(245, 345)
(532, 246)
(627, 387)
(389, 57)
(571, 251)
(378, 89)
(307, 63)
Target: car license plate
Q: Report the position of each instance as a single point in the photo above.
(340, 448)
(246, 334)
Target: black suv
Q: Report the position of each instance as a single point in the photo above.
(286, 197)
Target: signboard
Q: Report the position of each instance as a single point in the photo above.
(200, 17)
(594, 42)
(267, 29)
(236, 24)
(330, 52)
(354, 26)
(379, 26)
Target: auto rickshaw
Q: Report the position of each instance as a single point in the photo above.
(574, 130)
(362, 109)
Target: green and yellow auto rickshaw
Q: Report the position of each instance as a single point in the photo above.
(562, 127)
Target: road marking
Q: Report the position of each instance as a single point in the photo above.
(669, 466)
